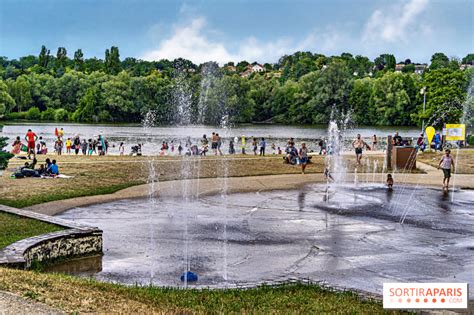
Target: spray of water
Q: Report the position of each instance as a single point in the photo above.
(225, 125)
(465, 119)
(182, 101)
(152, 180)
(334, 159)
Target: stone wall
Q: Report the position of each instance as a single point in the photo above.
(74, 241)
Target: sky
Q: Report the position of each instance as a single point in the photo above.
(224, 30)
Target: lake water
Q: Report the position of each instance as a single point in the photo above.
(153, 137)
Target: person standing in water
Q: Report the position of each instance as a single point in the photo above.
(84, 147)
(219, 144)
(358, 145)
(263, 144)
(303, 156)
(214, 143)
(445, 164)
(389, 181)
(68, 145)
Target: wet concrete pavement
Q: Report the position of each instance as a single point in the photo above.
(347, 236)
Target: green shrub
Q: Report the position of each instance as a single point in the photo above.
(4, 156)
(470, 139)
(48, 114)
(104, 116)
(15, 116)
(33, 113)
(61, 114)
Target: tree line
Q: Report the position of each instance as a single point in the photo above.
(302, 88)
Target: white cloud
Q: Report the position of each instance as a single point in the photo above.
(395, 23)
(189, 42)
(192, 41)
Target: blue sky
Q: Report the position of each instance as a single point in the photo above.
(237, 30)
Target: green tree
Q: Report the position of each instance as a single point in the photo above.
(391, 100)
(438, 61)
(112, 60)
(79, 60)
(6, 101)
(152, 93)
(68, 89)
(89, 106)
(385, 62)
(20, 90)
(261, 93)
(93, 64)
(285, 96)
(323, 92)
(28, 62)
(48, 114)
(33, 113)
(117, 96)
(61, 114)
(469, 59)
(363, 112)
(361, 65)
(445, 94)
(409, 68)
(44, 57)
(241, 66)
(61, 57)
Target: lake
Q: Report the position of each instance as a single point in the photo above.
(131, 134)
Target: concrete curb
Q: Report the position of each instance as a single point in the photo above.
(75, 240)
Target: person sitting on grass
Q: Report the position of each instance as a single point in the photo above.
(47, 164)
(27, 170)
(445, 164)
(291, 154)
(389, 181)
(16, 146)
(53, 169)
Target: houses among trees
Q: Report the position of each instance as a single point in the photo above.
(303, 87)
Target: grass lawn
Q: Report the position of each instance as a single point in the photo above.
(14, 228)
(82, 295)
(465, 160)
(107, 174)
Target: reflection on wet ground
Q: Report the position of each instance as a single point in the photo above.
(346, 236)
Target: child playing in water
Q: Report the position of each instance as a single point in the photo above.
(389, 181)
(328, 175)
(68, 145)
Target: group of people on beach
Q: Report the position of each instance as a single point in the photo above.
(214, 144)
(36, 145)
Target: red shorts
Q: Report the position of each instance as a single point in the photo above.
(31, 144)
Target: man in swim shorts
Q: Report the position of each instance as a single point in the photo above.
(358, 144)
(31, 138)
